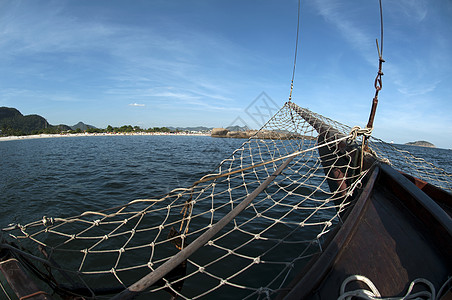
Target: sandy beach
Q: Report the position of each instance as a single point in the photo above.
(44, 136)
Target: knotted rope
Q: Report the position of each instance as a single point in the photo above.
(358, 131)
(373, 294)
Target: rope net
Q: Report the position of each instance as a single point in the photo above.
(244, 231)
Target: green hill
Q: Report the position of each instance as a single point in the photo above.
(82, 126)
(12, 122)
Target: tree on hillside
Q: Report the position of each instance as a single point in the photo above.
(126, 128)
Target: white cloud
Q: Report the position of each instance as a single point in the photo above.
(137, 104)
(418, 89)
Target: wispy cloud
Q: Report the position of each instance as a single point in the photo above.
(414, 10)
(144, 60)
(345, 20)
(418, 89)
(420, 44)
(137, 104)
(38, 96)
(26, 32)
(191, 99)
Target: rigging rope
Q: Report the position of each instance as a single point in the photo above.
(296, 51)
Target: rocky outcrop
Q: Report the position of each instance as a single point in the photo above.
(421, 144)
(219, 132)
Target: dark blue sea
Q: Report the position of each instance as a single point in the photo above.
(66, 176)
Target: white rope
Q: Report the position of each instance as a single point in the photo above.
(209, 177)
(356, 131)
(373, 294)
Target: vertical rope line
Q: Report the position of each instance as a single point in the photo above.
(381, 30)
(296, 51)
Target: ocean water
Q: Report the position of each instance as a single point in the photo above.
(439, 157)
(66, 176)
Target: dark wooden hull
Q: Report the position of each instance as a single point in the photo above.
(16, 284)
(395, 234)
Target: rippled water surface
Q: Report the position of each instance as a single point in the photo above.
(66, 176)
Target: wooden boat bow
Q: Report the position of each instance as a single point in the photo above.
(395, 234)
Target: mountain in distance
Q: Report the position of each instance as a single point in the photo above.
(62, 127)
(82, 126)
(9, 112)
(13, 121)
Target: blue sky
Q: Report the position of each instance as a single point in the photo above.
(190, 63)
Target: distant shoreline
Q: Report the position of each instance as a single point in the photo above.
(46, 136)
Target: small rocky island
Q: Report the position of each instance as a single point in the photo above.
(421, 144)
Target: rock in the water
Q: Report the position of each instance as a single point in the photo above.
(421, 144)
